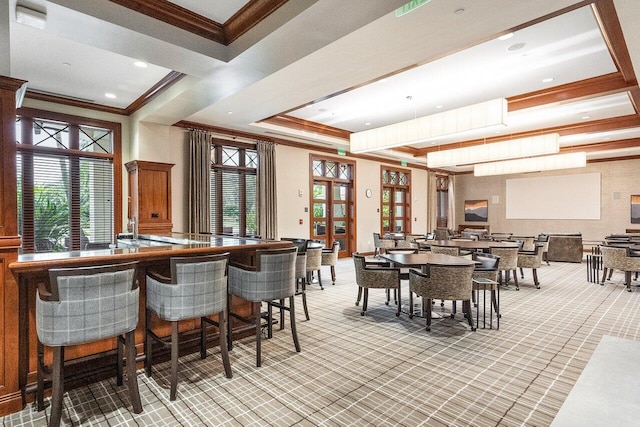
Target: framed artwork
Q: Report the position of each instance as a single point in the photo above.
(478, 210)
(635, 209)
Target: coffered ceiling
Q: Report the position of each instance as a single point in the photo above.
(314, 71)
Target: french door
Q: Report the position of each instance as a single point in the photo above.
(395, 204)
(332, 205)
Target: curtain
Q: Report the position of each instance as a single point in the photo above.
(266, 188)
(432, 202)
(451, 217)
(199, 181)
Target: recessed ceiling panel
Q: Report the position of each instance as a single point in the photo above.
(217, 10)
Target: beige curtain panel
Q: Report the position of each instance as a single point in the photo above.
(199, 181)
(266, 188)
(432, 195)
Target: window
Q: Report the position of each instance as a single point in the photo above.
(395, 206)
(65, 174)
(233, 190)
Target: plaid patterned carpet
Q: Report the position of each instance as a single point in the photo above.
(381, 370)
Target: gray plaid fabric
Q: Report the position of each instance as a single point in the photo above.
(275, 280)
(91, 308)
(444, 282)
(201, 290)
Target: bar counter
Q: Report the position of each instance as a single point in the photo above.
(96, 360)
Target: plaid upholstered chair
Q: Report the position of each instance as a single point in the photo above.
(508, 263)
(617, 258)
(446, 282)
(330, 258)
(532, 260)
(86, 304)
(375, 277)
(381, 244)
(273, 278)
(314, 261)
(197, 288)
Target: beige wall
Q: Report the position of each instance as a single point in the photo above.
(619, 180)
(293, 176)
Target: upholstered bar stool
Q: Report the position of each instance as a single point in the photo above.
(330, 258)
(197, 288)
(86, 304)
(271, 279)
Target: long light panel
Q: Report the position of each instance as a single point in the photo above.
(488, 114)
(523, 147)
(533, 164)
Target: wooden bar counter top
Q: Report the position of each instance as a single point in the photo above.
(94, 361)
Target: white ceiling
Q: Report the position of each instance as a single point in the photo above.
(330, 55)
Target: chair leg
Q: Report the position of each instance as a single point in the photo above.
(610, 273)
(466, 307)
(174, 360)
(120, 360)
(132, 376)
(256, 307)
(320, 280)
(428, 313)
(398, 303)
(229, 335)
(604, 275)
(359, 295)
(521, 273)
(281, 315)
(388, 291)
(535, 278)
(364, 301)
(222, 328)
(304, 301)
(269, 324)
(333, 275)
(203, 339)
(148, 354)
(58, 386)
(292, 320)
(411, 305)
(40, 378)
(515, 279)
(627, 280)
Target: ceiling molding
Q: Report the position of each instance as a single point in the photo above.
(572, 129)
(609, 23)
(167, 81)
(307, 126)
(241, 22)
(588, 88)
(177, 16)
(63, 100)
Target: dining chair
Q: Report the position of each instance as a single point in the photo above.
(446, 282)
(381, 244)
(617, 258)
(532, 260)
(86, 304)
(313, 264)
(375, 277)
(508, 263)
(270, 280)
(330, 258)
(197, 289)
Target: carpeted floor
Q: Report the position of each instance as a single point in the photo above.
(381, 370)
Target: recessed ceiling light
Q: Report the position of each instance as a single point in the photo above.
(229, 112)
(516, 46)
(585, 117)
(505, 36)
(110, 95)
(459, 11)
(308, 106)
(548, 79)
(368, 124)
(383, 80)
(66, 64)
(606, 138)
(439, 106)
(140, 64)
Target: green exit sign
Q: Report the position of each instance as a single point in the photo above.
(410, 7)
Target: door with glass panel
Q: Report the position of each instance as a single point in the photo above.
(395, 214)
(332, 205)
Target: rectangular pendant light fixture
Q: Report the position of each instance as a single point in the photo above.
(484, 115)
(533, 164)
(523, 147)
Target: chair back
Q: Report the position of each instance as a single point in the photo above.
(198, 288)
(441, 234)
(448, 282)
(613, 257)
(314, 259)
(375, 277)
(301, 265)
(331, 257)
(87, 304)
(488, 267)
(301, 244)
(274, 277)
(445, 250)
(508, 258)
(376, 240)
(531, 259)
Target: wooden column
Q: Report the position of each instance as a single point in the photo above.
(11, 399)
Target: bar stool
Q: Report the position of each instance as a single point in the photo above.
(272, 279)
(86, 304)
(197, 288)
